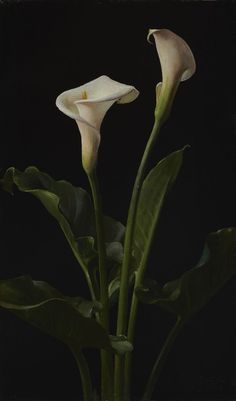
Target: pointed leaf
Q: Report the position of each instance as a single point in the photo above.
(47, 309)
(154, 190)
(188, 294)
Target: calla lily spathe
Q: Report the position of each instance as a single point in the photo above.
(87, 105)
(177, 62)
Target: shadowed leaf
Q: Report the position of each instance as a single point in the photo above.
(72, 208)
(65, 318)
(189, 293)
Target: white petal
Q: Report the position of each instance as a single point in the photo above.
(176, 58)
(99, 90)
(90, 140)
(93, 113)
(88, 105)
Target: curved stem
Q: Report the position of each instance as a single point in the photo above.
(123, 298)
(157, 368)
(133, 315)
(161, 114)
(104, 319)
(86, 381)
(162, 110)
(165, 97)
(106, 358)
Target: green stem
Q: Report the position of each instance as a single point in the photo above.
(123, 298)
(133, 315)
(86, 381)
(72, 244)
(162, 111)
(157, 368)
(130, 336)
(106, 358)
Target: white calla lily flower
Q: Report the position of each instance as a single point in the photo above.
(87, 105)
(176, 59)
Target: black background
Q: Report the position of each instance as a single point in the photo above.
(48, 47)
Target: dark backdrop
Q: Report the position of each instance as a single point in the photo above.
(48, 47)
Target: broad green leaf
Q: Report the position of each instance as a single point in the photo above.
(73, 210)
(60, 198)
(154, 190)
(189, 293)
(69, 319)
(70, 206)
(44, 307)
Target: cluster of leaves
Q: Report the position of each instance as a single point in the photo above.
(43, 306)
(39, 303)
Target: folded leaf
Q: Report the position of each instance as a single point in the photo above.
(154, 190)
(72, 208)
(44, 307)
(189, 293)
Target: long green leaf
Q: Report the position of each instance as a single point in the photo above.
(44, 307)
(154, 190)
(69, 319)
(189, 293)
